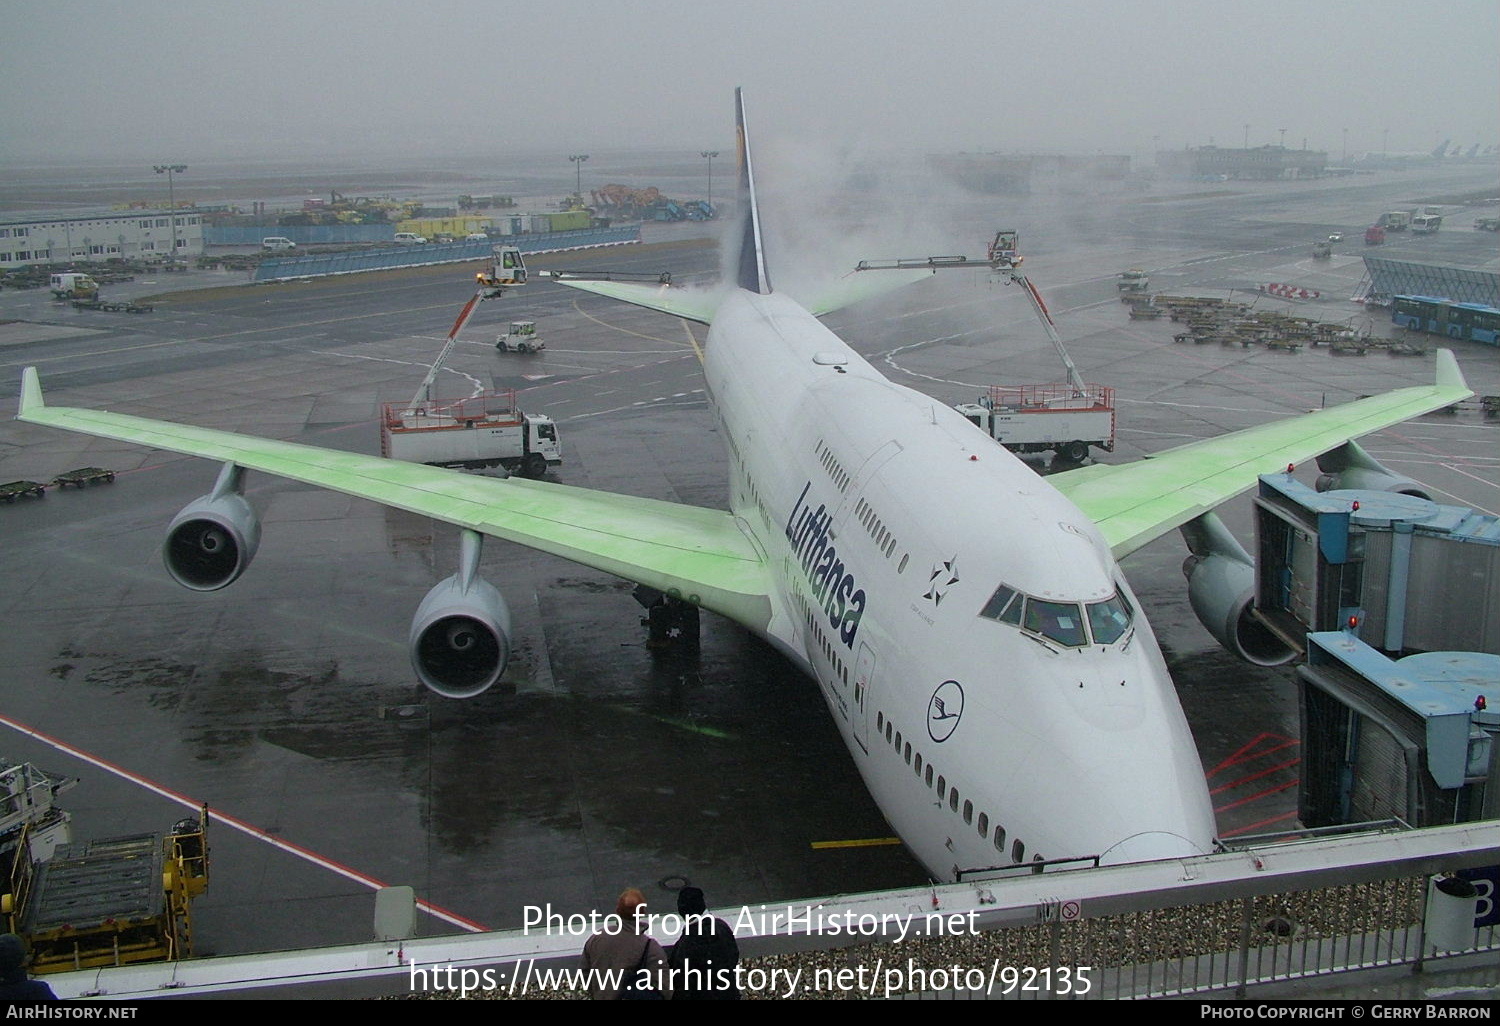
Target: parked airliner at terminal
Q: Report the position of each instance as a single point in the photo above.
(993, 675)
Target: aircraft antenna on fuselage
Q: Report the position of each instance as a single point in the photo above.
(751, 275)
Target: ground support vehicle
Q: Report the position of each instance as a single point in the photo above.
(1133, 281)
(14, 490)
(1374, 235)
(507, 270)
(1487, 224)
(521, 338)
(29, 813)
(72, 285)
(1322, 251)
(1036, 418)
(109, 902)
(84, 476)
(1065, 418)
(1200, 308)
(486, 430)
(115, 307)
(1327, 334)
(1195, 337)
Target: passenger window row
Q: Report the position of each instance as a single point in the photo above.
(829, 650)
(949, 794)
(872, 523)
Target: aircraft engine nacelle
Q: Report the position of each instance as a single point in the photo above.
(460, 637)
(1350, 467)
(1221, 589)
(212, 540)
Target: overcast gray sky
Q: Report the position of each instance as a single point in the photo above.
(202, 79)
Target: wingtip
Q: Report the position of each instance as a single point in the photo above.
(1449, 374)
(31, 392)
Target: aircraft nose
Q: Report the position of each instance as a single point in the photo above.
(1149, 847)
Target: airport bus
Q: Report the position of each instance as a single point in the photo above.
(1444, 317)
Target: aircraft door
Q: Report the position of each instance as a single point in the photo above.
(864, 684)
(879, 458)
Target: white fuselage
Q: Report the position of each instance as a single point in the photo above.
(890, 522)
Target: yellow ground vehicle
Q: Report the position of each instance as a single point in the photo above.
(109, 902)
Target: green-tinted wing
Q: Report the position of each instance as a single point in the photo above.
(694, 304)
(699, 554)
(1136, 503)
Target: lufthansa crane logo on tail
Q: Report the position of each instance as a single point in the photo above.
(944, 710)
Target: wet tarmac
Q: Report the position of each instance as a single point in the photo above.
(287, 701)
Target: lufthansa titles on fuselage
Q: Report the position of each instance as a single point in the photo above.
(833, 586)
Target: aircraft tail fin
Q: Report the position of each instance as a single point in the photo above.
(751, 275)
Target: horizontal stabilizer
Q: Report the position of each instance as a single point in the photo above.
(694, 304)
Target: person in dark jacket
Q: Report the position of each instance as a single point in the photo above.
(14, 985)
(704, 959)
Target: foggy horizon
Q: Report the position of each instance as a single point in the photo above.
(451, 81)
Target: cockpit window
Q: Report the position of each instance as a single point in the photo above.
(1109, 620)
(1057, 621)
(1063, 622)
(998, 601)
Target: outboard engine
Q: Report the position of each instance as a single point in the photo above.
(212, 540)
(1349, 466)
(460, 637)
(1221, 588)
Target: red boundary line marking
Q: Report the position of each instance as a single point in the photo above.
(1253, 797)
(1242, 754)
(1255, 776)
(236, 823)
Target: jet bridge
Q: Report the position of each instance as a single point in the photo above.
(1418, 576)
(1413, 739)
(1396, 600)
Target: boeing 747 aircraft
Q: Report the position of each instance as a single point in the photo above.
(994, 677)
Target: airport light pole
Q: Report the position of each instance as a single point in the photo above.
(578, 159)
(709, 155)
(169, 170)
(1283, 137)
(1345, 158)
(1247, 136)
